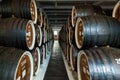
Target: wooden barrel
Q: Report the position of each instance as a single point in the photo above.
(50, 31)
(48, 35)
(73, 57)
(84, 10)
(116, 11)
(64, 35)
(15, 64)
(42, 30)
(97, 30)
(71, 35)
(19, 8)
(63, 46)
(67, 24)
(19, 33)
(4, 4)
(43, 54)
(51, 34)
(45, 21)
(36, 60)
(67, 38)
(99, 64)
(66, 32)
(50, 46)
(46, 49)
(40, 18)
(63, 41)
(68, 52)
(43, 35)
(38, 36)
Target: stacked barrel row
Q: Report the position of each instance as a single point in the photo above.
(25, 40)
(47, 39)
(94, 41)
(69, 30)
(44, 39)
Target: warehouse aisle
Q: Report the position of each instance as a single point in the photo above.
(56, 69)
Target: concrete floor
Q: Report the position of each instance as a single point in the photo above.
(56, 69)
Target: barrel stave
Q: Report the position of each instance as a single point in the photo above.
(98, 64)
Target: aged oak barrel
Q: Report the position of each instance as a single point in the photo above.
(99, 64)
(46, 49)
(43, 35)
(38, 39)
(43, 53)
(19, 33)
(40, 18)
(68, 53)
(85, 10)
(36, 60)
(70, 35)
(73, 57)
(97, 30)
(26, 9)
(116, 11)
(15, 64)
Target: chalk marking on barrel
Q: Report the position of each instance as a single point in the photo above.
(28, 33)
(24, 62)
(118, 61)
(19, 78)
(23, 73)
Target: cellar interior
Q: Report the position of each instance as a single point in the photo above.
(59, 39)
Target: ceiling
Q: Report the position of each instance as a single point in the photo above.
(58, 11)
